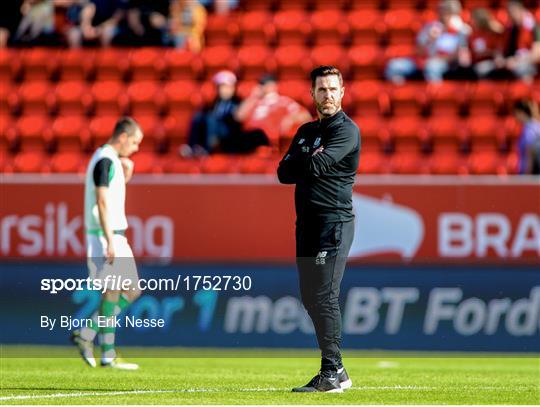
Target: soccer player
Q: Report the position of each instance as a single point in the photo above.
(322, 161)
(109, 255)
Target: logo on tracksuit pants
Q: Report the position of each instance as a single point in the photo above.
(321, 258)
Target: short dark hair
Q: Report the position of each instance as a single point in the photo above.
(126, 125)
(325, 70)
(524, 106)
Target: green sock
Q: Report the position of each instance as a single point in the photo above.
(89, 332)
(107, 332)
(122, 303)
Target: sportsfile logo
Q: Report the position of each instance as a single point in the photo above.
(57, 232)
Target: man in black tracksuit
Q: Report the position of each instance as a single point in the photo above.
(322, 161)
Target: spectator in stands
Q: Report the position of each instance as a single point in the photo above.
(215, 123)
(99, 22)
(10, 16)
(522, 42)
(526, 112)
(220, 6)
(484, 45)
(185, 25)
(37, 24)
(146, 19)
(439, 44)
(267, 111)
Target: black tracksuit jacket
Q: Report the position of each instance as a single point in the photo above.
(323, 181)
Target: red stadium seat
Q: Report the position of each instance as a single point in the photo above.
(9, 99)
(401, 26)
(147, 163)
(176, 129)
(145, 98)
(8, 135)
(76, 64)
(72, 98)
(154, 133)
(408, 99)
(30, 162)
(517, 91)
(181, 96)
(221, 30)
(408, 134)
(146, 64)
(486, 162)
(256, 28)
(375, 137)
(243, 90)
(329, 27)
(333, 55)
(486, 134)
(255, 61)
(39, 64)
(292, 62)
(409, 163)
(296, 89)
(67, 162)
(36, 98)
(512, 163)
(253, 165)
(10, 65)
(372, 162)
(178, 165)
(447, 163)
(370, 98)
(445, 99)
(365, 62)
(219, 58)
(292, 27)
(183, 65)
(109, 98)
(398, 51)
(485, 98)
(447, 135)
(366, 27)
(219, 164)
(111, 64)
(101, 129)
(33, 133)
(70, 134)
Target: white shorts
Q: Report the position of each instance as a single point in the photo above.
(123, 267)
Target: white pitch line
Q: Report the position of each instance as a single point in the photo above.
(121, 393)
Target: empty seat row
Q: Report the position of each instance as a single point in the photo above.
(363, 98)
(483, 162)
(401, 134)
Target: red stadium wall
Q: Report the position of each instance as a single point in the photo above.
(251, 218)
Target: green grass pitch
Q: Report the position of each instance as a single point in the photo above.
(176, 376)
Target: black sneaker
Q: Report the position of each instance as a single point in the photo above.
(344, 381)
(328, 383)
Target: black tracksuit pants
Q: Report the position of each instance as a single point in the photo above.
(321, 254)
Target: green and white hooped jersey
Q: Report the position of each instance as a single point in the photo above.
(116, 193)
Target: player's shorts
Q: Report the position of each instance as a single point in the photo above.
(123, 266)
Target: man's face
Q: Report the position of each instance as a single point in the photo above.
(327, 94)
(226, 91)
(130, 144)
